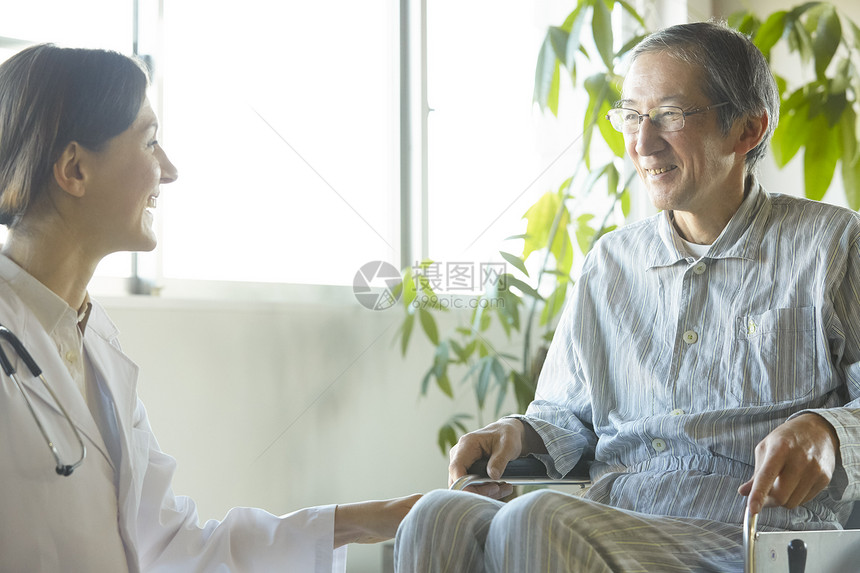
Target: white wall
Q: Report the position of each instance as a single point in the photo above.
(283, 406)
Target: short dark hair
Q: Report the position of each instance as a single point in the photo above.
(50, 97)
(733, 70)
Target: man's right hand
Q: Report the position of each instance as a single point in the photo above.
(501, 442)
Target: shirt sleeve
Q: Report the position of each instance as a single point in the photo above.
(561, 410)
(170, 539)
(845, 353)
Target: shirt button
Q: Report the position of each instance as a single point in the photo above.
(700, 268)
(658, 444)
(71, 357)
(677, 412)
(690, 337)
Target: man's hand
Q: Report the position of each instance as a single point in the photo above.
(501, 442)
(793, 463)
(370, 521)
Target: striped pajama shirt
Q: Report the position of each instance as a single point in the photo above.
(668, 370)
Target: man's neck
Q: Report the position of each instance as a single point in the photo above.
(703, 227)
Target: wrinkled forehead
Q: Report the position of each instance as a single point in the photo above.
(659, 78)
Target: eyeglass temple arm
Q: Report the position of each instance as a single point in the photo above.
(7, 335)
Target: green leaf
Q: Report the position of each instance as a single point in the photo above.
(601, 93)
(625, 203)
(554, 303)
(558, 40)
(447, 438)
(851, 181)
(428, 323)
(800, 41)
(601, 29)
(406, 332)
(848, 136)
(631, 11)
(516, 261)
(445, 385)
(547, 77)
(483, 383)
(745, 23)
(524, 390)
(770, 32)
(525, 288)
(819, 159)
(584, 233)
(614, 139)
(791, 133)
(574, 43)
(827, 38)
(540, 217)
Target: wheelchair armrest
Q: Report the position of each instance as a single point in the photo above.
(526, 470)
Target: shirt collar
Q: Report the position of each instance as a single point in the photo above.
(48, 308)
(740, 238)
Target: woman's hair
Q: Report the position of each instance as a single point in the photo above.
(50, 97)
(733, 70)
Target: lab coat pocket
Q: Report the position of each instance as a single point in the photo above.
(773, 356)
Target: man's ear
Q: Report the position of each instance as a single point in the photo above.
(753, 128)
(67, 170)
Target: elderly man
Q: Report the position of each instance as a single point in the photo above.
(708, 357)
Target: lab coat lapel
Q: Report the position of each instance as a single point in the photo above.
(117, 375)
(44, 352)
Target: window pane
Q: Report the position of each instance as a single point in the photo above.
(281, 118)
(491, 152)
(83, 23)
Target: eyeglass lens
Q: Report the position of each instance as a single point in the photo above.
(664, 118)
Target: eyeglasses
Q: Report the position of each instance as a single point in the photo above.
(18, 347)
(664, 118)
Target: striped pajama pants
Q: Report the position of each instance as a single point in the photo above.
(554, 532)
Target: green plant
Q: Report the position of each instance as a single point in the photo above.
(565, 222)
(819, 115)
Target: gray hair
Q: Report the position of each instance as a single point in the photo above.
(733, 70)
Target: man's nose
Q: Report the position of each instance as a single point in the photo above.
(649, 139)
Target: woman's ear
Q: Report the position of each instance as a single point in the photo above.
(67, 170)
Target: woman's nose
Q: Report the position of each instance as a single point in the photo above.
(169, 173)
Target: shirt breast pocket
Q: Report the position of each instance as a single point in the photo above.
(773, 356)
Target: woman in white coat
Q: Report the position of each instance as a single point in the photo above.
(80, 167)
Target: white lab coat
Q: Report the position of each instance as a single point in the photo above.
(87, 522)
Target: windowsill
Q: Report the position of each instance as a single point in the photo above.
(191, 293)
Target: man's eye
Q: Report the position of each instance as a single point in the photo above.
(630, 116)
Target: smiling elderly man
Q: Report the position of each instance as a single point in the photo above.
(708, 353)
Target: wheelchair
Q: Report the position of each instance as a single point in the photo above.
(828, 551)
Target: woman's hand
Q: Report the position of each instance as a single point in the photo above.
(370, 521)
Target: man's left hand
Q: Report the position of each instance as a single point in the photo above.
(793, 463)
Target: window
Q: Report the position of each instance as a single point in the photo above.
(282, 120)
(492, 154)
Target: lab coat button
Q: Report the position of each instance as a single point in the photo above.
(658, 444)
(690, 337)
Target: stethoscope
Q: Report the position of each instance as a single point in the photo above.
(6, 334)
